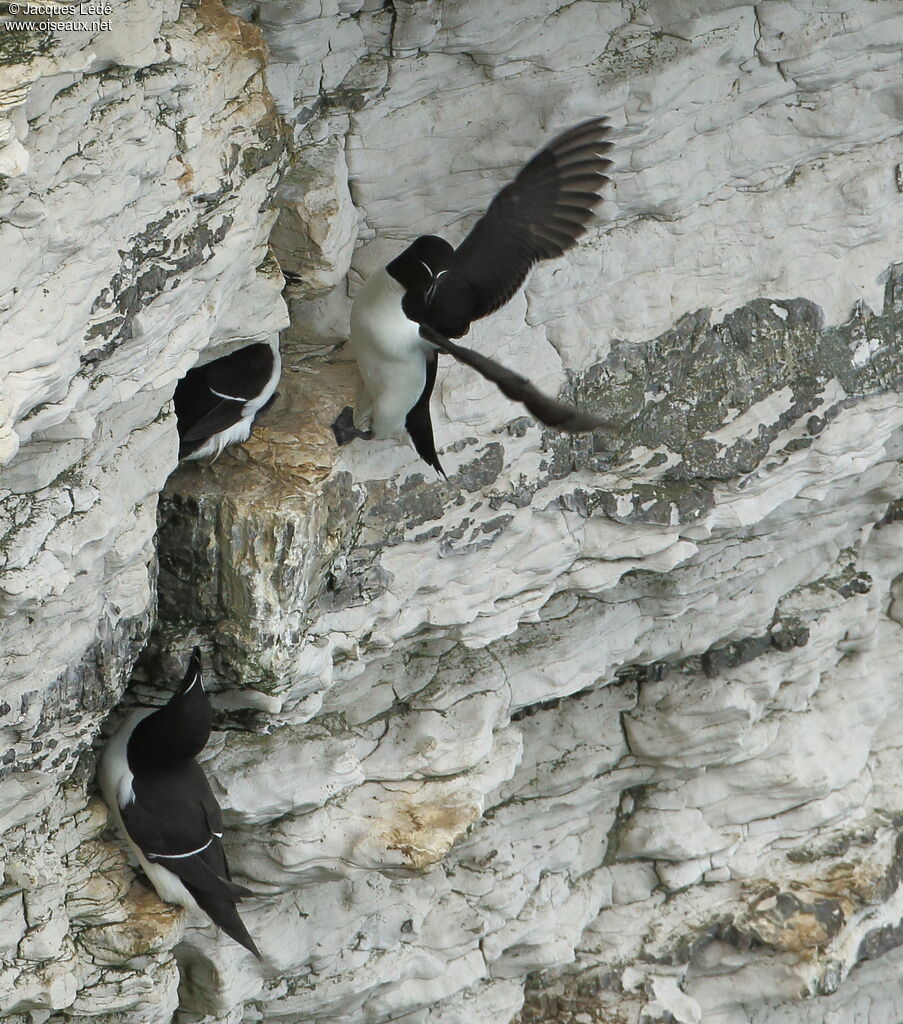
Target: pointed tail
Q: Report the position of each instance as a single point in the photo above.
(224, 914)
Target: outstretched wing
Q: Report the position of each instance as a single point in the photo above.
(547, 410)
(539, 215)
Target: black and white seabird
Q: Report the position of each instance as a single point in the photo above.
(162, 802)
(216, 403)
(406, 312)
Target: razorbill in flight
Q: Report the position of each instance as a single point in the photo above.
(162, 803)
(406, 312)
(216, 403)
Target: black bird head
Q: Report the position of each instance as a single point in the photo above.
(192, 679)
(178, 731)
(419, 266)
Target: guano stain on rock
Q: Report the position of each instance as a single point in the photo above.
(423, 833)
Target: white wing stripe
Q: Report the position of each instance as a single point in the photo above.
(232, 398)
(178, 856)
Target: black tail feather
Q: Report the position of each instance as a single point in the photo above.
(224, 914)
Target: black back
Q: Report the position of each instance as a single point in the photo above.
(201, 408)
(174, 818)
(174, 813)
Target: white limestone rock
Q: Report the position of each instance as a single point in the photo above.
(133, 238)
(710, 774)
(599, 728)
(727, 189)
(317, 227)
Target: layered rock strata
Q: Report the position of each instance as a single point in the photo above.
(621, 775)
(134, 214)
(599, 729)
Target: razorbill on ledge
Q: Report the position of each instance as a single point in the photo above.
(162, 803)
(216, 403)
(406, 312)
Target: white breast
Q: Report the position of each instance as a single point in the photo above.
(378, 324)
(115, 776)
(390, 353)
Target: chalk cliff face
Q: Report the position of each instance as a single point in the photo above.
(600, 729)
(134, 215)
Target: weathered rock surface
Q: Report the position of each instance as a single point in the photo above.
(136, 165)
(598, 730)
(628, 775)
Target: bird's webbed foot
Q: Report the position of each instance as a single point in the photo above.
(345, 431)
